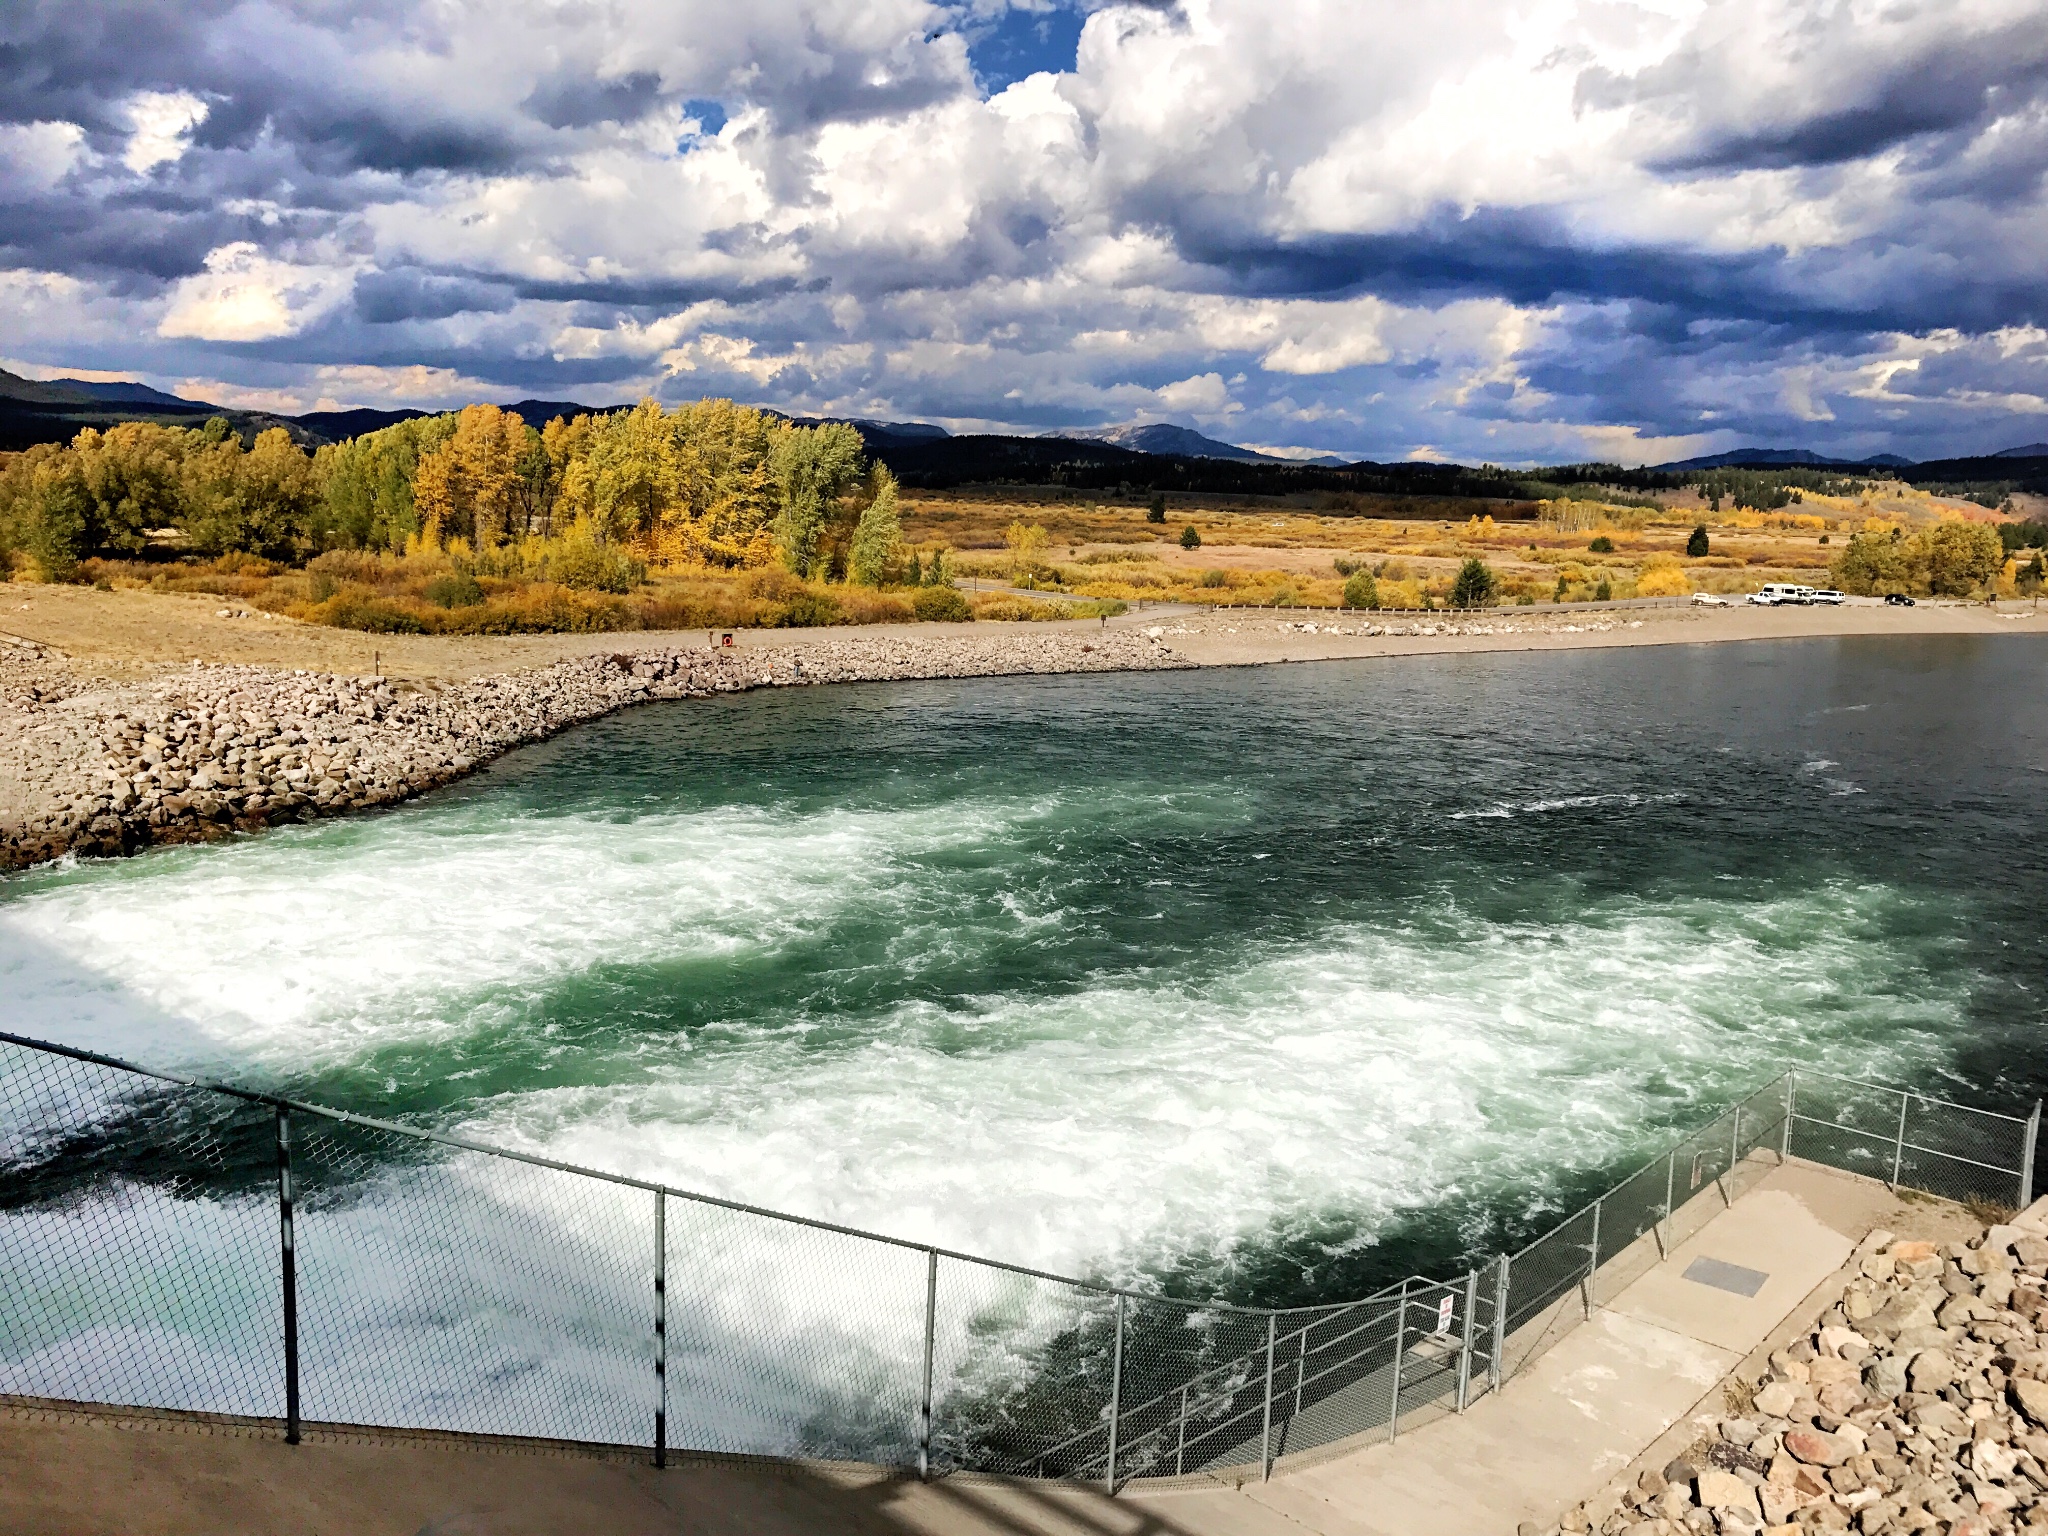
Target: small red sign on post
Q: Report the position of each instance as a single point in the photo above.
(1444, 1308)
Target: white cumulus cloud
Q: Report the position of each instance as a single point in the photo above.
(244, 295)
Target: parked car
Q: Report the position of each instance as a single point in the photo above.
(1897, 600)
(1708, 600)
(1826, 595)
(1774, 593)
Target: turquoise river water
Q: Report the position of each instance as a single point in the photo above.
(1272, 982)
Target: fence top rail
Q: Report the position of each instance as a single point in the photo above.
(1730, 1112)
(1911, 1093)
(465, 1144)
(1398, 1290)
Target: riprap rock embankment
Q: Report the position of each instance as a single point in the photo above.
(1918, 1404)
(195, 752)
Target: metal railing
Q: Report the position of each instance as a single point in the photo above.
(172, 1243)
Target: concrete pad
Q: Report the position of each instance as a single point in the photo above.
(1771, 1230)
(1574, 1416)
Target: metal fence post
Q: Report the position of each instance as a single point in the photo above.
(931, 1324)
(1496, 1368)
(1116, 1393)
(2027, 1156)
(1592, 1259)
(1735, 1143)
(288, 1251)
(1899, 1145)
(1670, 1184)
(1180, 1455)
(1300, 1369)
(661, 1327)
(1465, 1349)
(1791, 1107)
(1400, 1341)
(1266, 1424)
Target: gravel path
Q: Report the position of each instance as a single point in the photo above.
(90, 765)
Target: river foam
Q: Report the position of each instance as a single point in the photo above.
(1078, 978)
(1111, 1125)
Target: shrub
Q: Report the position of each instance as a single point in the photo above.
(595, 566)
(940, 605)
(1189, 539)
(774, 584)
(366, 611)
(1215, 579)
(456, 590)
(859, 606)
(806, 610)
(1156, 513)
(1697, 547)
(1604, 593)
(1361, 591)
(1021, 609)
(1475, 585)
(1602, 545)
(1663, 581)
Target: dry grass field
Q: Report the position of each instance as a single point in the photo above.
(1278, 551)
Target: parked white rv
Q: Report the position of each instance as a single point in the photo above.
(1774, 594)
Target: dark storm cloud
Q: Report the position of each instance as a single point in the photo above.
(384, 298)
(573, 100)
(1855, 107)
(61, 60)
(497, 192)
(1528, 258)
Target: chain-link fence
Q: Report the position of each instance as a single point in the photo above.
(172, 1244)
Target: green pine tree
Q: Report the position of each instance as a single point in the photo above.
(1475, 585)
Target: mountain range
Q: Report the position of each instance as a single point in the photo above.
(1149, 456)
(1163, 437)
(1764, 458)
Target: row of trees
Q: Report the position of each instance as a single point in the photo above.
(707, 484)
(1948, 560)
(107, 492)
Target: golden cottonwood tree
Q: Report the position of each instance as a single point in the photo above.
(472, 486)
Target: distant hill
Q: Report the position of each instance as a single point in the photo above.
(339, 426)
(56, 410)
(1780, 458)
(1163, 437)
(85, 393)
(2030, 451)
(879, 436)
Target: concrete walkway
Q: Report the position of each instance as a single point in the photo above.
(1559, 1430)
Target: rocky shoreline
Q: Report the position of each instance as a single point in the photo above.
(1918, 1404)
(197, 752)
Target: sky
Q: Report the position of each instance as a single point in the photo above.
(1546, 231)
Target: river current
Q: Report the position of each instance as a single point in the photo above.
(1274, 983)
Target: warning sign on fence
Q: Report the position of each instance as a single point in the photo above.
(1443, 1315)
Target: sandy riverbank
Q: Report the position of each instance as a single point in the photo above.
(128, 718)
